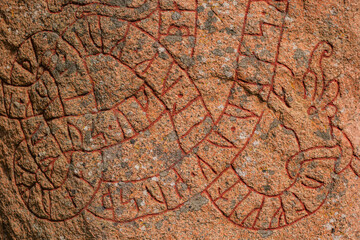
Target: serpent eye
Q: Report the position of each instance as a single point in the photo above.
(312, 110)
(27, 65)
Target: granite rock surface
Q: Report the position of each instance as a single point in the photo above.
(181, 119)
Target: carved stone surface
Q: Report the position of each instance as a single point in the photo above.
(185, 119)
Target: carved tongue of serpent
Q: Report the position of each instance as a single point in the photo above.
(93, 111)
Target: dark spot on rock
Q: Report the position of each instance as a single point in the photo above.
(324, 135)
(200, 9)
(218, 52)
(265, 233)
(266, 187)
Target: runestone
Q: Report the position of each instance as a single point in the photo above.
(179, 119)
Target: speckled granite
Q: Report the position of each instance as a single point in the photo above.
(184, 119)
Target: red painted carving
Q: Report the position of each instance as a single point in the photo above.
(113, 123)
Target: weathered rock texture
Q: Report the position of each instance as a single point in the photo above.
(185, 119)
